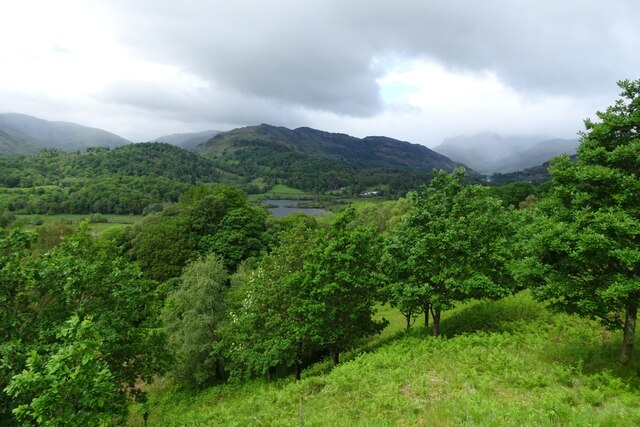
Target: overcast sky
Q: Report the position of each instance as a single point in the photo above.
(418, 70)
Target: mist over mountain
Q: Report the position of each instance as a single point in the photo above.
(26, 134)
(491, 153)
(17, 146)
(188, 141)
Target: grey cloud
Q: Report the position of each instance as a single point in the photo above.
(200, 106)
(319, 54)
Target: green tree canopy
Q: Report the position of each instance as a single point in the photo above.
(342, 283)
(587, 244)
(268, 327)
(452, 246)
(83, 277)
(192, 316)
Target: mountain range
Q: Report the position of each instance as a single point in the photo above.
(22, 134)
(291, 155)
(491, 153)
(372, 151)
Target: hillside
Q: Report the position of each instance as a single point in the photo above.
(319, 161)
(188, 141)
(491, 153)
(17, 146)
(508, 362)
(372, 151)
(123, 180)
(535, 175)
(59, 135)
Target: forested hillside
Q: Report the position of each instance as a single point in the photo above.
(123, 180)
(319, 161)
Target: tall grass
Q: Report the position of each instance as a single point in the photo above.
(509, 362)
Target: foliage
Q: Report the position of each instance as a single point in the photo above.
(342, 285)
(267, 328)
(586, 245)
(192, 315)
(163, 245)
(208, 219)
(126, 180)
(71, 385)
(452, 246)
(83, 277)
(514, 193)
(508, 362)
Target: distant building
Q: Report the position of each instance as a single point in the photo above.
(370, 193)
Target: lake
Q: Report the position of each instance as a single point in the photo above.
(280, 208)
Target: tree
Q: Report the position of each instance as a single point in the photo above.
(207, 219)
(85, 277)
(268, 328)
(403, 289)
(240, 235)
(14, 281)
(452, 246)
(192, 317)
(70, 384)
(163, 245)
(587, 243)
(342, 284)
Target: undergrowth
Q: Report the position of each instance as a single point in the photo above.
(507, 362)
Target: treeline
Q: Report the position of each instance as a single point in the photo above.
(314, 174)
(133, 179)
(52, 167)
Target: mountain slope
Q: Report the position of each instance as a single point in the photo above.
(133, 179)
(491, 153)
(59, 135)
(188, 141)
(16, 146)
(318, 161)
(372, 151)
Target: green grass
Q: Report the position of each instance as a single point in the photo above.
(283, 191)
(30, 221)
(509, 362)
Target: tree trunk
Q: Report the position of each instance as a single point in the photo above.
(298, 370)
(219, 375)
(408, 317)
(436, 321)
(629, 333)
(271, 372)
(335, 356)
(425, 308)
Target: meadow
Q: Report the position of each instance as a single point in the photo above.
(32, 222)
(505, 362)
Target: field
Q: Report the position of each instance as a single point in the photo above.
(32, 222)
(508, 362)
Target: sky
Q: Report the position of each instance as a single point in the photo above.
(416, 70)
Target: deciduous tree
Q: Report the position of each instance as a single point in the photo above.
(452, 246)
(587, 244)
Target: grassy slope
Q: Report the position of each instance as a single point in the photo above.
(505, 363)
(75, 219)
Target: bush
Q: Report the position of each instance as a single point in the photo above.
(97, 218)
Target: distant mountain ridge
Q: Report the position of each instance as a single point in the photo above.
(16, 146)
(188, 141)
(23, 134)
(371, 151)
(492, 153)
